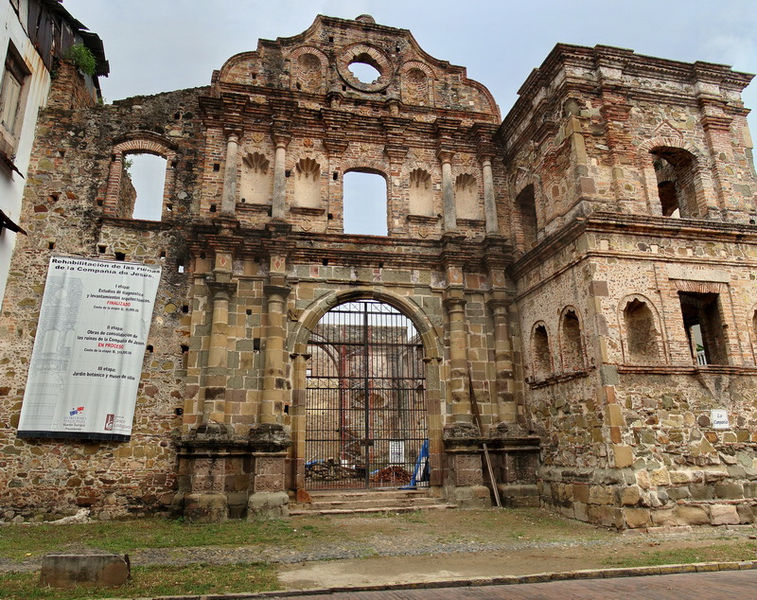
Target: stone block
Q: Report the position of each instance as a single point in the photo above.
(599, 494)
(691, 515)
(623, 456)
(724, 514)
(660, 477)
(580, 511)
(608, 516)
(746, 513)
(268, 505)
(702, 491)
(630, 496)
(614, 415)
(581, 492)
(664, 517)
(474, 496)
(643, 480)
(96, 569)
(206, 508)
(679, 493)
(682, 476)
(636, 517)
(729, 489)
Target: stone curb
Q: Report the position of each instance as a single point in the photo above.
(483, 581)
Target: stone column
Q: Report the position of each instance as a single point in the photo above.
(229, 199)
(274, 384)
(490, 206)
(448, 190)
(503, 364)
(458, 354)
(214, 406)
(278, 210)
(268, 439)
(299, 397)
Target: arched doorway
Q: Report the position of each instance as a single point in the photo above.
(365, 409)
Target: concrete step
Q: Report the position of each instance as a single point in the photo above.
(373, 509)
(367, 501)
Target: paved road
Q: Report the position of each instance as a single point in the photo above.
(688, 586)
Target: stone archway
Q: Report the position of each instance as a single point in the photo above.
(427, 345)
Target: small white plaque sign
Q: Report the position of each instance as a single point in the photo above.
(719, 419)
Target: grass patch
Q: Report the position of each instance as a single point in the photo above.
(674, 556)
(20, 542)
(151, 581)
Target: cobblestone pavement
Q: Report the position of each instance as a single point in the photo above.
(689, 586)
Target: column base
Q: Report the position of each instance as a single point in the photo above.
(464, 484)
(206, 508)
(472, 496)
(268, 505)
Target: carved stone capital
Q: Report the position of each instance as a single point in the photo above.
(269, 437)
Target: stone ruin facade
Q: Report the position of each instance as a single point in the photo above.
(582, 274)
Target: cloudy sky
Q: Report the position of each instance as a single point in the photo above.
(162, 45)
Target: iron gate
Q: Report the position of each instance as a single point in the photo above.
(366, 409)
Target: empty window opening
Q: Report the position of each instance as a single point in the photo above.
(363, 70)
(641, 333)
(525, 210)
(120, 256)
(147, 175)
(101, 248)
(542, 359)
(572, 348)
(704, 327)
(364, 198)
(675, 170)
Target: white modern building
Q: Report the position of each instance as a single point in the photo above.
(34, 36)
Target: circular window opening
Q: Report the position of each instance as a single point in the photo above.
(364, 72)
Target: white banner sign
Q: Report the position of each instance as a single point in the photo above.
(89, 348)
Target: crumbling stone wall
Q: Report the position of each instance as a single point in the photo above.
(629, 443)
(515, 249)
(63, 215)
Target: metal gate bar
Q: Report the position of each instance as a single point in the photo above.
(366, 412)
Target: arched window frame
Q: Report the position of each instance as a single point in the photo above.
(139, 145)
(526, 219)
(539, 369)
(701, 176)
(563, 343)
(662, 352)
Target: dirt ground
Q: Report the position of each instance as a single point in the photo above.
(459, 544)
(523, 560)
